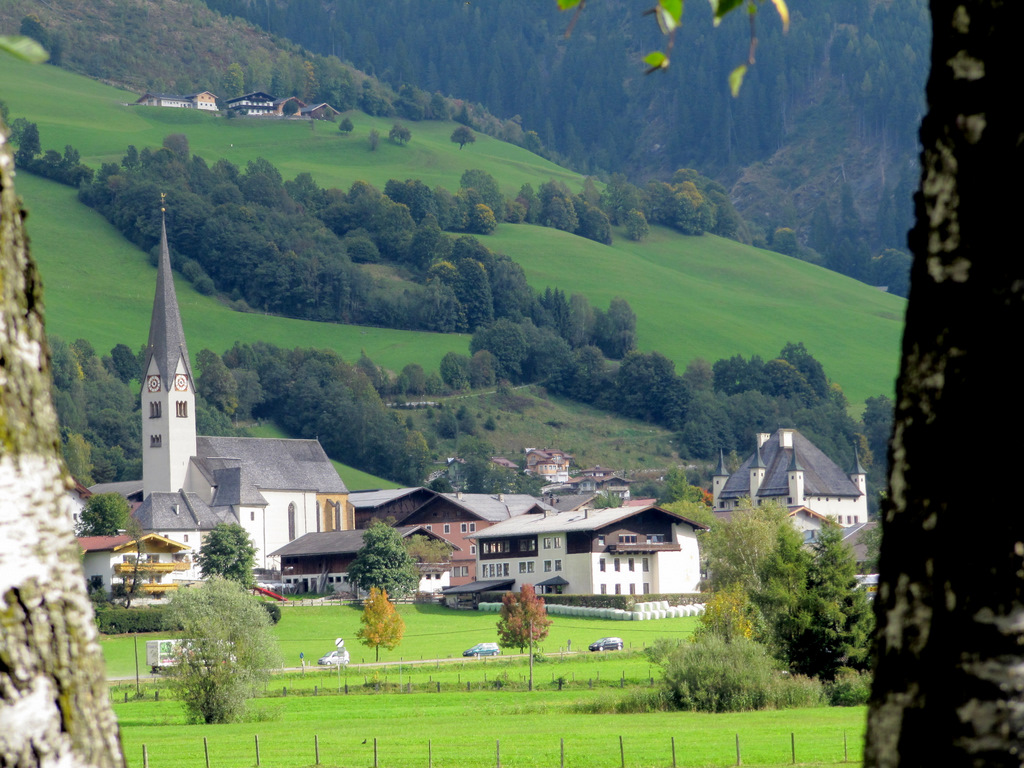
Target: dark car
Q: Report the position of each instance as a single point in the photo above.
(607, 644)
(483, 649)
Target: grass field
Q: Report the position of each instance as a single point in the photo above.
(692, 296)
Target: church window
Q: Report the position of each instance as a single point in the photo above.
(252, 514)
(154, 409)
(337, 516)
(155, 441)
(291, 521)
(182, 407)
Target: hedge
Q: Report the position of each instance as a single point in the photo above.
(120, 621)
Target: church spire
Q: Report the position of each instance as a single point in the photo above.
(166, 336)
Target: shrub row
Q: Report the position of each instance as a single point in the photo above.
(119, 621)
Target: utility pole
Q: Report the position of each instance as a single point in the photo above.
(531, 654)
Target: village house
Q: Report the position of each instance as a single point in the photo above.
(552, 466)
(625, 550)
(789, 469)
(319, 562)
(112, 560)
(255, 103)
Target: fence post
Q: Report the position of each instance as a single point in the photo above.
(157, 694)
(497, 751)
(562, 750)
(316, 748)
(739, 761)
(256, 738)
(206, 751)
(374, 752)
(846, 754)
(430, 753)
(145, 757)
(622, 754)
(792, 745)
(673, 752)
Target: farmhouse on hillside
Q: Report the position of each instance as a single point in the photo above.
(550, 465)
(789, 469)
(201, 100)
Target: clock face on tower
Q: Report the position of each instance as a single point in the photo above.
(181, 382)
(153, 383)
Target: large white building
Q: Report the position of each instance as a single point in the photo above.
(276, 489)
(616, 551)
(789, 469)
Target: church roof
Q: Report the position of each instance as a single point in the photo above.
(180, 511)
(247, 465)
(166, 335)
(822, 477)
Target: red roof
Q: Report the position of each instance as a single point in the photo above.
(101, 543)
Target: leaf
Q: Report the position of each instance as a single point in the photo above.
(669, 14)
(24, 48)
(565, 5)
(736, 79)
(783, 11)
(656, 60)
(719, 8)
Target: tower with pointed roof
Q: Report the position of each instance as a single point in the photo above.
(168, 390)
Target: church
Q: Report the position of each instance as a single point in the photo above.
(276, 489)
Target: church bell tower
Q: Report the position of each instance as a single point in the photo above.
(168, 389)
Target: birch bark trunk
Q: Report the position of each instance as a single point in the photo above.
(54, 707)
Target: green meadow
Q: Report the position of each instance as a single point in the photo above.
(693, 296)
(466, 728)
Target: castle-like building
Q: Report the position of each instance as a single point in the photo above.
(789, 469)
(277, 490)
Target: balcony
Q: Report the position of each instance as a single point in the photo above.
(152, 567)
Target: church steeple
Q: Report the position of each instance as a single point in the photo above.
(168, 389)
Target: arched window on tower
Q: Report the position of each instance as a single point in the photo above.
(291, 521)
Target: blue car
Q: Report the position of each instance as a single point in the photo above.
(482, 649)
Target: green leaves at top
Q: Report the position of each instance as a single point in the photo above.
(24, 48)
(669, 14)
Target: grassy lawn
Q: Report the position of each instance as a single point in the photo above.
(465, 729)
(693, 296)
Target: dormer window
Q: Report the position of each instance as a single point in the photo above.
(155, 410)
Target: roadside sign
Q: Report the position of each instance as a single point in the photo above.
(339, 643)
(302, 655)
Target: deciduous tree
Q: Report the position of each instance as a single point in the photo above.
(524, 619)
(227, 653)
(384, 563)
(382, 626)
(104, 515)
(228, 552)
(463, 136)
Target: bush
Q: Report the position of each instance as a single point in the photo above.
(120, 621)
(273, 611)
(850, 688)
(712, 675)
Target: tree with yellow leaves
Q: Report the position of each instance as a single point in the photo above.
(382, 626)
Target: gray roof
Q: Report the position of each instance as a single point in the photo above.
(374, 499)
(473, 587)
(166, 336)
(341, 542)
(575, 520)
(571, 501)
(180, 511)
(822, 477)
(496, 507)
(126, 488)
(241, 466)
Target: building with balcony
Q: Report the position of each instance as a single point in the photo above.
(156, 563)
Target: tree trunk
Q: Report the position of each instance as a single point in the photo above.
(949, 679)
(53, 698)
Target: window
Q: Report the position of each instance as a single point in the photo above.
(600, 540)
(447, 528)
(472, 527)
(617, 568)
(632, 565)
(155, 410)
(632, 589)
(529, 567)
(527, 545)
(291, 521)
(604, 589)
(547, 542)
(522, 566)
(601, 564)
(558, 565)
(182, 407)
(618, 589)
(627, 538)
(430, 527)
(558, 542)
(462, 528)
(186, 537)
(647, 565)
(155, 441)
(655, 538)
(472, 549)
(547, 566)
(252, 514)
